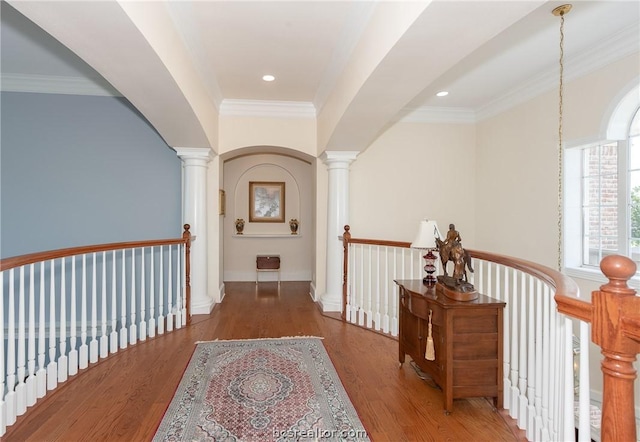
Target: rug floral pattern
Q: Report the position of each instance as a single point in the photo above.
(261, 390)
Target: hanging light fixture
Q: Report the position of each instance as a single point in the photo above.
(560, 11)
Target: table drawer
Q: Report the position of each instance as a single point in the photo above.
(268, 262)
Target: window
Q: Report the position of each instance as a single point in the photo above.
(600, 201)
(608, 188)
(634, 186)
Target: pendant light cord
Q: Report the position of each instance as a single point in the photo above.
(560, 11)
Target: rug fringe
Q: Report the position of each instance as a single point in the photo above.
(261, 339)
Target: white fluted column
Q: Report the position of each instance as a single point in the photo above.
(194, 212)
(337, 216)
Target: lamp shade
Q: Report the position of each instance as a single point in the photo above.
(427, 234)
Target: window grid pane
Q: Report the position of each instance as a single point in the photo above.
(600, 203)
(633, 204)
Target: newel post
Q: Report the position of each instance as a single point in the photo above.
(346, 236)
(619, 351)
(186, 236)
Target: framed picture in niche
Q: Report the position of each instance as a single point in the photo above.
(266, 202)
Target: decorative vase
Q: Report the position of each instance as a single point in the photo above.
(239, 226)
(294, 224)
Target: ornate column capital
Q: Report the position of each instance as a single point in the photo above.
(337, 159)
(195, 154)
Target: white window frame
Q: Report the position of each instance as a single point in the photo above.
(618, 130)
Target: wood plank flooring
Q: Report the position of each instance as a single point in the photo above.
(124, 397)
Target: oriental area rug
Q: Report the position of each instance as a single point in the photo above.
(261, 390)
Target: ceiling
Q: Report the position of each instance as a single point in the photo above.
(355, 66)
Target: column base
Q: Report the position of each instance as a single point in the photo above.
(331, 303)
(202, 307)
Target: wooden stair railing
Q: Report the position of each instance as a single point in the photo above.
(57, 321)
(614, 314)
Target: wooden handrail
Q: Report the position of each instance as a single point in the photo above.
(565, 286)
(614, 314)
(17, 261)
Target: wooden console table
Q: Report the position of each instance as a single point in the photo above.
(267, 263)
(467, 337)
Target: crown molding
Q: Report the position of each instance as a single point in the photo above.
(620, 45)
(47, 84)
(262, 108)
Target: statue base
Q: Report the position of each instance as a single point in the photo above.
(456, 289)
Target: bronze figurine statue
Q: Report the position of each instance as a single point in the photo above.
(451, 250)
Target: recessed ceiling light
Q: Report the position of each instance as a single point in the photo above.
(442, 94)
(268, 77)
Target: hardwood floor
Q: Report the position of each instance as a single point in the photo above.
(124, 397)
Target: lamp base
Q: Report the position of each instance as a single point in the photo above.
(429, 267)
(429, 280)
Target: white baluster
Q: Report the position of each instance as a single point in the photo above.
(505, 295)
(523, 348)
(21, 391)
(374, 302)
(480, 276)
(63, 363)
(568, 414)
(161, 292)
(531, 358)
(93, 345)
(584, 426)
(123, 303)
(387, 288)
(180, 274)
(142, 329)
(347, 312)
(553, 358)
(353, 292)
(113, 337)
(514, 346)
(31, 359)
(133, 329)
(84, 349)
(393, 296)
(540, 332)
(181, 295)
(104, 339)
(183, 299)
(361, 289)
(546, 356)
(10, 397)
(354, 284)
(490, 289)
(152, 295)
(52, 366)
(41, 375)
(73, 328)
(3, 408)
(170, 291)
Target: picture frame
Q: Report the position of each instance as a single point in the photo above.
(266, 201)
(223, 202)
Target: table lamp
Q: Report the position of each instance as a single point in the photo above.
(426, 240)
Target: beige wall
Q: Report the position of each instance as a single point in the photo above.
(517, 170)
(517, 167)
(294, 133)
(411, 172)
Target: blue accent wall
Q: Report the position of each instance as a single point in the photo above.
(79, 170)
